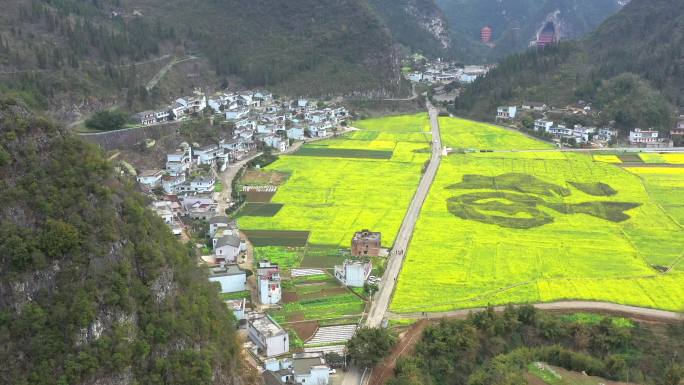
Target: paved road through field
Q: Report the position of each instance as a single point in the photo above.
(382, 299)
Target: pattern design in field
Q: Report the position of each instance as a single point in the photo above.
(516, 200)
(635, 260)
(334, 197)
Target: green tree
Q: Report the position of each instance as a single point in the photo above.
(370, 345)
(107, 120)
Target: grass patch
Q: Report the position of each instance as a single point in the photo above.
(236, 295)
(285, 257)
(595, 319)
(320, 151)
(260, 238)
(329, 307)
(218, 187)
(260, 209)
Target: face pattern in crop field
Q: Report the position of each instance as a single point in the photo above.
(364, 179)
(519, 227)
(515, 200)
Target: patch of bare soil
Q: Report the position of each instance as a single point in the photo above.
(305, 330)
(290, 296)
(324, 293)
(275, 178)
(296, 317)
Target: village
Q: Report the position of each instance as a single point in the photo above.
(549, 122)
(192, 193)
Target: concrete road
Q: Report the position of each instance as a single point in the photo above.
(383, 297)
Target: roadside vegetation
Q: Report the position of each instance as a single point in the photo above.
(523, 345)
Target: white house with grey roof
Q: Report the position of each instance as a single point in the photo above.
(270, 339)
(310, 368)
(227, 247)
(219, 222)
(231, 278)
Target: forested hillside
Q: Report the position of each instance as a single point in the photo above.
(54, 52)
(94, 289)
(515, 23)
(632, 67)
(488, 348)
(416, 24)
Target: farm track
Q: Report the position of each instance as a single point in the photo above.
(382, 299)
(628, 311)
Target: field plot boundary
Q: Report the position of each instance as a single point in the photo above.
(327, 152)
(291, 238)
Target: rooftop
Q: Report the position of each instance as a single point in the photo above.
(367, 235)
(265, 325)
(228, 240)
(147, 173)
(226, 271)
(303, 362)
(219, 219)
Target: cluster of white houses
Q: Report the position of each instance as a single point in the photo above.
(578, 132)
(256, 116)
(581, 134)
(442, 72)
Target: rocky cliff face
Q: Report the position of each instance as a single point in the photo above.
(430, 18)
(93, 288)
(418, 24)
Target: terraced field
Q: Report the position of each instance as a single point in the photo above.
(538, 227)
(362, 180)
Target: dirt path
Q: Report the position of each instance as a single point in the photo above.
(162, 72)
(628, 311)
(385, 369)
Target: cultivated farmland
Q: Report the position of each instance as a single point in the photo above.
(468, 134)
(537, 227)
(342, 185)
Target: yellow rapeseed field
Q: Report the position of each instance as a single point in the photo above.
(532, 227)
(334, 197)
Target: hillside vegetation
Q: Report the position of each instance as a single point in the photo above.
(59, 52)
(94, 289)
(631, 67)
(501, 349)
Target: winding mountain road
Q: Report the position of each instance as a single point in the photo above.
(383, 297)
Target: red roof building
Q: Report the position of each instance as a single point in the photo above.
(486, 34)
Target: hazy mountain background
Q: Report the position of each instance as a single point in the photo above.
(632, 67)
(515, 23)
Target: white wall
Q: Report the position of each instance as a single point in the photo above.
(231, 283)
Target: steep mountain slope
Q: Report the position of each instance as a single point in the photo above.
(70, 50)
(93, 287)
(416, 24)
(515, 23)
(632, 67)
